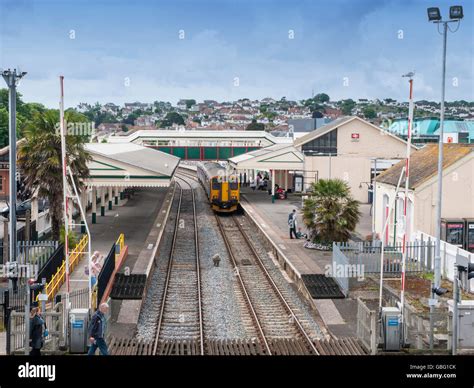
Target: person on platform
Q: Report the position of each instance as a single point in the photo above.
(37, 331)
(97, 330)
(292, 224)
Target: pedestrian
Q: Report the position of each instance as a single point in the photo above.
(292, 224)
(97, 330)
(216, 259)
(37, 331)
(96, 258)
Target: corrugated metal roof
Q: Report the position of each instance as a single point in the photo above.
(424, 163)
(136, 155)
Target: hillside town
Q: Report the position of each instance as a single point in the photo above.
(280, 116)
(174, 189)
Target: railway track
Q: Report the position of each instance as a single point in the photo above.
(180, 316)
(277, 324)
(271, 312)
(272, 315)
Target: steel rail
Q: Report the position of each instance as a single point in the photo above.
(253, 312)
(169, 270)
(276, 289)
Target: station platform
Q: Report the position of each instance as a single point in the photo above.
(133, 217)
(339, 315)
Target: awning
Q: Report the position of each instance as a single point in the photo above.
(129, 165)
(276, 157)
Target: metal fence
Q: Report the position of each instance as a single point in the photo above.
(54, 323)
(51, 266)
(105, 273)
(449, 255)
(21, 235)
(368, 257)
(367, 326)
(339, 260)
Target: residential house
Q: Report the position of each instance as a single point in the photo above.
(458, 191)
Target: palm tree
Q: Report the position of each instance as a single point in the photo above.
(39, 160)
(331, 213)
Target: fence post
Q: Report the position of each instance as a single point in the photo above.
(373, 333)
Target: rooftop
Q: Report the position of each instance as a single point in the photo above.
(424, 163)
(137, 156)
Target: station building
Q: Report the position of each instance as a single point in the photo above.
(458, 193)
(347, 148)
(351, 149)
(202, 145)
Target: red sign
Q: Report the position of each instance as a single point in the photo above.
(355, 136)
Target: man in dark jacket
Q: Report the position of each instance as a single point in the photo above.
(292, 224)
(36, 331)
(97, 329)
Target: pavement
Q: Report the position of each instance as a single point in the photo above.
(133, 217)
(339, 315)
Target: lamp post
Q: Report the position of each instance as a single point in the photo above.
(434, 15)
(12, 77)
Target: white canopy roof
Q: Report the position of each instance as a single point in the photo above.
(276, 157)
(128, 165)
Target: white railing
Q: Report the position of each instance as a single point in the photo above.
(448, 257)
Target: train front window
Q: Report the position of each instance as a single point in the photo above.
(215, 184)
(234, 184)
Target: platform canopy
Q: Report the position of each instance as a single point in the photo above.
(276, 157)
(129, 165)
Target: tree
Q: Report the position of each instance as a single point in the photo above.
(347, 106)
(24, 113)
(172, 118)
(369, 112)
(254, 126)
(190, 103)
(331, 213)
(3, 127)
(130, 119)
(39, 159)
(321, 98)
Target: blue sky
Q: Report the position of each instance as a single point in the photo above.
(131, 50)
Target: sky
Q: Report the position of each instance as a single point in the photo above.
(143, 50)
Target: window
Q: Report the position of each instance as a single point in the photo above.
(324, 145)
(234, 183)
(216, 185)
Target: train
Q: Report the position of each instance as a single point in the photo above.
(222, 189)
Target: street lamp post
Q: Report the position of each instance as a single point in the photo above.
(11, 78)
(434, 15)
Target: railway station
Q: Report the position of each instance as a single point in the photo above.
(195, 256)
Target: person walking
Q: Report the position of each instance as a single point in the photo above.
(37, 334)
(97, 330)
(292, 224)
